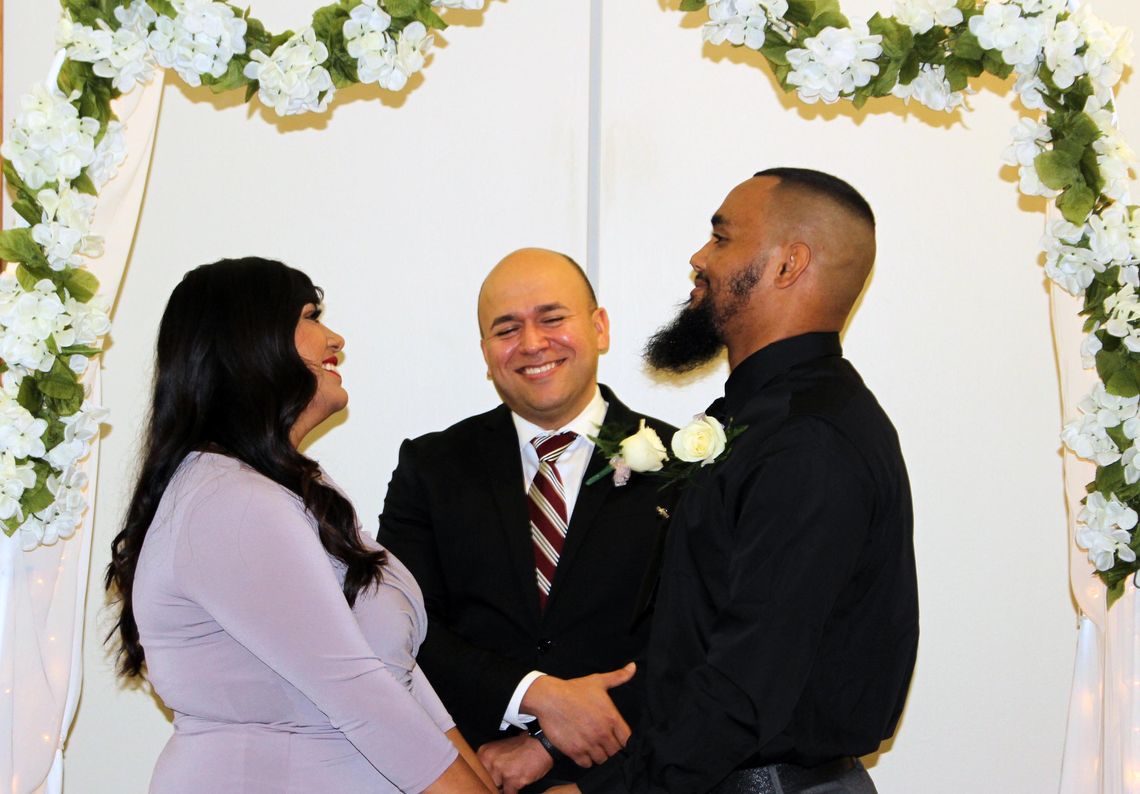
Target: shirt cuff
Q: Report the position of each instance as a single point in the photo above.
(512, 716)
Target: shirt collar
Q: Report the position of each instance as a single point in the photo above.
(774, 359)
(584, 424)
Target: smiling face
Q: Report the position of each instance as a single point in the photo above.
(319, 348)
(541, 336)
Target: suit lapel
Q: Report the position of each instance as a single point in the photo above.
(590, 497)
(502, 468)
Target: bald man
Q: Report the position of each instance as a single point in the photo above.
(529, 636)
(787, 616)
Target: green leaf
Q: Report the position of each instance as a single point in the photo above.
(776, 54)
(1122, 384)
(17, 245)
(83, 184)
(28, 210)
(81, 283)
(827, 19)
(1090, 170)
(81, 350)
(909, 69)
(1109, 478)
(29, 396)
(885, 80)
(38, 498)
(993, 63)
(163, 7)
(800, 12)
(692, 5)
(233, 77)
(59, 387)
(898, 41)
(1076, 204)
(430, 19)
(1114, 592)
(250, 91)
(401, 8)
(1057, 169)
(967, 46)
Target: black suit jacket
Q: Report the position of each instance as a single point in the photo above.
(456, 515)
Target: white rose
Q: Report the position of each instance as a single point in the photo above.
(643, 451)
(700, 440)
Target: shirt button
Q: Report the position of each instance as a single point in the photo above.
(544, 645)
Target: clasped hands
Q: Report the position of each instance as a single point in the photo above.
(577, 716)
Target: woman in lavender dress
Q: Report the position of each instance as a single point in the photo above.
(282, 638)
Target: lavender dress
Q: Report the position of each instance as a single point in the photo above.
(276, 685)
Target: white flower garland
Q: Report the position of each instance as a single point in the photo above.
(1067, 147)
(64, 145)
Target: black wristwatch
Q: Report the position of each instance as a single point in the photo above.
(535, 730)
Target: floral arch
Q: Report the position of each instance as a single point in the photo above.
(65, 146)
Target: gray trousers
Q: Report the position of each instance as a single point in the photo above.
(847, 777)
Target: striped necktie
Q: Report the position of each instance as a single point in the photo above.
(547, 505)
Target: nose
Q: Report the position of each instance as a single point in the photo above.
(335, 340)
(697, 260)
(532, 338)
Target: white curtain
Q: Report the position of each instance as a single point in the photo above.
(43, 592)
(1102, 743)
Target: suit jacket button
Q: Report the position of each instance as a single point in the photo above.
(544, 645)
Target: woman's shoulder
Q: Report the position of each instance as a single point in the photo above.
(212, 476)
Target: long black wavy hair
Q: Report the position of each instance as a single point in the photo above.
(228, 378)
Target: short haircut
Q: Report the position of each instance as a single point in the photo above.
(822, 184)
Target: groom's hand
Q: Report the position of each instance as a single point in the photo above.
(578, 716)
(515, 762)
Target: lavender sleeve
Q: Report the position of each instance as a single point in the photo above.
(252, 560)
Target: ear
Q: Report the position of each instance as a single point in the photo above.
(486, 358)
(601, 321)
(795, 260)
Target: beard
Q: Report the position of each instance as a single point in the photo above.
(692, 339)
(696, 335)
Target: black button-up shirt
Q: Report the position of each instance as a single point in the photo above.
(787, 616)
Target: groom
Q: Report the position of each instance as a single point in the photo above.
(786, 623)
(537, 582)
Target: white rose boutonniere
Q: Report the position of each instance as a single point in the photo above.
(701, 441)
(643, 451)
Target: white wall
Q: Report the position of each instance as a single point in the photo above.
(398, 207)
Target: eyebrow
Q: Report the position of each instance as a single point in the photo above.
(543, 309)
(719, 220)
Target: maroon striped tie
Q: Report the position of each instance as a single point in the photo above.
(547, 504)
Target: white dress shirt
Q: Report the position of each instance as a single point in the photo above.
(572, 469)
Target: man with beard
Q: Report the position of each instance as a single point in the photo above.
(787, 620)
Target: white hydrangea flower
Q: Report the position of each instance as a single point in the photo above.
(109, 155)
(1029, 138)
(1106, 530)
(21, 434)
(1030, 184)
(408, 57)
(31, 533)
(79, 430)
(931, 88)
(48, 141)
(834, 63)
(470, 5)
(1050, 7)
(202, 39)
(1108, 50)
(123, 54)
(921, 15)
(1115, 158)
(87, 322)
(366, 40)
(291, 80)
(1112, 234)
(64, 232)
(60, 519)
(1061, 45)
(1002, 27)
(15, 478)
(744, 22)
(1090, 346)
(1068, 261)
(1031, 90)
(1087, 435)
(27, 320)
